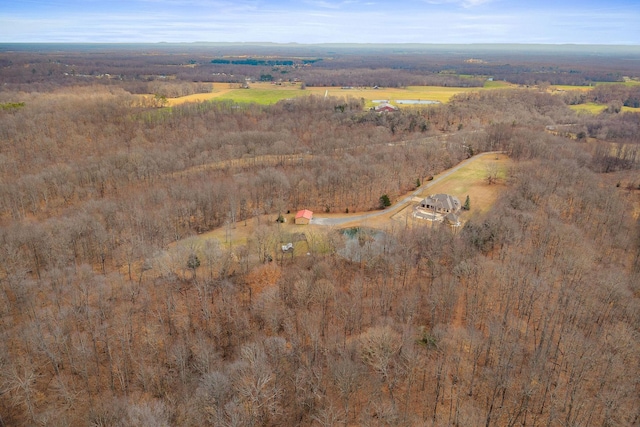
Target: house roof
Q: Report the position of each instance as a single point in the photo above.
(385, 106)
(304, 214)
(452, 219)
(444, 201)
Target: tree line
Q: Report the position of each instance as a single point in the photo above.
(47, 67)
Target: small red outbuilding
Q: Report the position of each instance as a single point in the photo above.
(304, 216)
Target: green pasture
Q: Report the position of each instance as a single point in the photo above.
(587, 88)
(625, 83)
(497, 84)
(594, 108)
(589, 107)
(630, 110)
(261, 96)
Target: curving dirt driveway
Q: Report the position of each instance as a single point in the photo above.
(400, 204)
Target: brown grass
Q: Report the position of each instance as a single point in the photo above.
(471, 180)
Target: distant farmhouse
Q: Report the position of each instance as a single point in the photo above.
(439, 207)
(385, 107)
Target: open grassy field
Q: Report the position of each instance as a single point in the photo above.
(267, 93)
(497, 84)
(260, 93)
(630, 110)
(588, 88)
(593, 108)
(199, 97)
(567, 88)
(626, 83)
(469, 180)
(589, 107)
(431, 93)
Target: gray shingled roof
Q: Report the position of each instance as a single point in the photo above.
(442, 201)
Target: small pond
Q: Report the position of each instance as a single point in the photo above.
(363, 244)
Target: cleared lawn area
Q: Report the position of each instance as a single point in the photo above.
(471, 180)
(468, 180)
(237, 234)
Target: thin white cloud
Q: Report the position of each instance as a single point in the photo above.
(474, 3)
(322, 4)
(464, 3)
(336, 5)
(203, 3)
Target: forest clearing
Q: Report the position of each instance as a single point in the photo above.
(470, 179)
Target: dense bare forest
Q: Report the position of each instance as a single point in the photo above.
(529, 315)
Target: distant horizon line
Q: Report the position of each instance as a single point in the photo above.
(570, 49)
(324, 43)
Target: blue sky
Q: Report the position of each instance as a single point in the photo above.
(322, 21)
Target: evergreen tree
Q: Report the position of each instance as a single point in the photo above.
(193, 263)
(384, 201)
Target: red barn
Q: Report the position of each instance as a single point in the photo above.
(304, 216)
